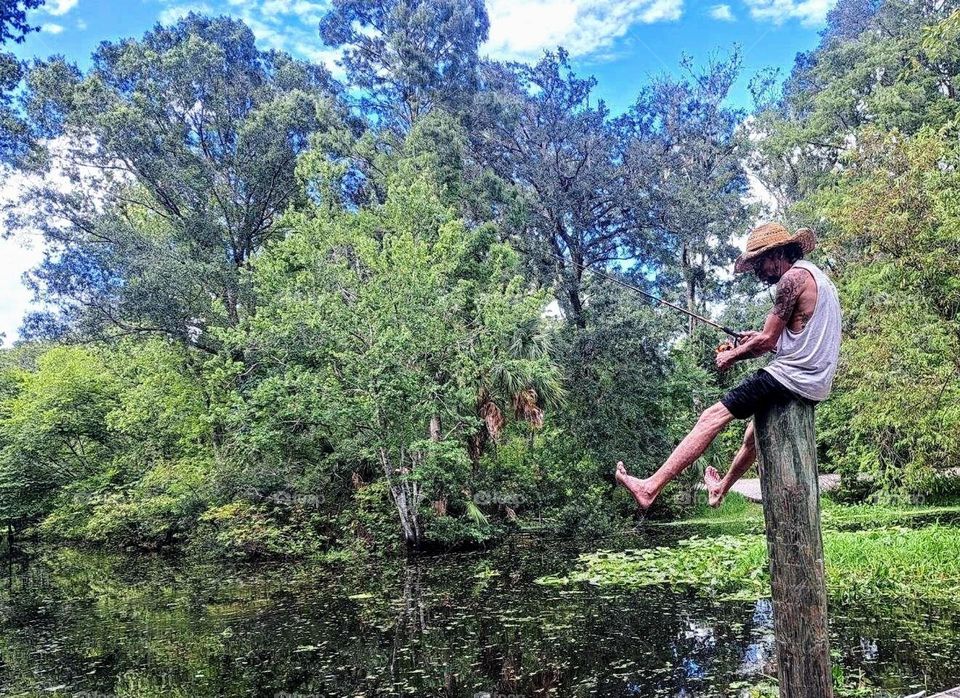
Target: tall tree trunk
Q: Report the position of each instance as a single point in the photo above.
(577, 306)
(406, 496)
(691, 284)
(576, 275)
(231, 304)
(576, 303)
(439, 505)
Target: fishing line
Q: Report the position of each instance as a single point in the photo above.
(632, 287)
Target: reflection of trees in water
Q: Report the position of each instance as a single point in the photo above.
(432, 638)
(411, 623)
(514, 638)
(446, 626)
(898, 643)
(759, 655)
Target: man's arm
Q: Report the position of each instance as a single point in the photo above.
(789, 289)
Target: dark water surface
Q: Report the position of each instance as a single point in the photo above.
(94, 625)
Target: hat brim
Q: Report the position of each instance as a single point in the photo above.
(804, 236)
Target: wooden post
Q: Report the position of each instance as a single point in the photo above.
(787, 455)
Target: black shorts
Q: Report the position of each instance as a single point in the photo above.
(758, 391)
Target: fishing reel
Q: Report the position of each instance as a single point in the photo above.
(730, 345)
(727, 346)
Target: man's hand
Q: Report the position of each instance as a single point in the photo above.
(724, 360)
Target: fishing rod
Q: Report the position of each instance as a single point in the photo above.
(733, 333)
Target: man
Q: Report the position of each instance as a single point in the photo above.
(804, 330)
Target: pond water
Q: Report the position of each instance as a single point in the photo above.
(471, 624)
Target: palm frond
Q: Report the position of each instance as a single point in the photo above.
(475, 515)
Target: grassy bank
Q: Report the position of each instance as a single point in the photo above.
(737, 510)
(869, 552)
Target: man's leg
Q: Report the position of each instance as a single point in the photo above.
(711, 422)
(718, 487)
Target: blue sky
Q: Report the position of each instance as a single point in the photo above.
(621, 42)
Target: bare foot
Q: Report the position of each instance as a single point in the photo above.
(637, 487)
(714, 484)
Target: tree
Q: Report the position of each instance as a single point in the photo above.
(180, 149)
(104, 444)
(379, 331)
(13, 27)
(862, 144)
(848, 19)
(52, 429)
(408, 57)
(682, 150)
(893, 216)
(537, 128)
(618, 377)
(878, 64)
(13, 19)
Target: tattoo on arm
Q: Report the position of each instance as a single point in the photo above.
(788, 291)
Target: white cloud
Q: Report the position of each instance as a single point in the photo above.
(284, 25)
(722, 12)
(306, 11)
(81, 24)
(59, 7)
(519, 29)
(18, 255)
(51, 28)
(318, 53)
(269, 36)
(172, 15)
(810, 12)
(23, 244)
(523, 30)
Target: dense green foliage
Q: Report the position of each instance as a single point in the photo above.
(285, 316)
(863, 147)
(191, 136)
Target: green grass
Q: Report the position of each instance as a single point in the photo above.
(738, 510)
(721, 565)
(889, 563)
(735, 509)
(896, 562)
(890, 552)
(859, 516)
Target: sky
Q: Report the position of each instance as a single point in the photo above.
(622, 43)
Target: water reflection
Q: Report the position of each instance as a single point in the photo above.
(457, 625)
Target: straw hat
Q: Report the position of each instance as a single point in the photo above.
(769, 237)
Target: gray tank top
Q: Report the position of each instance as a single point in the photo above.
(806, 360)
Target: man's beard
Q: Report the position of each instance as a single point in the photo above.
(769, 279)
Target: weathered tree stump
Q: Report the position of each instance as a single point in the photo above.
(787, 456)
